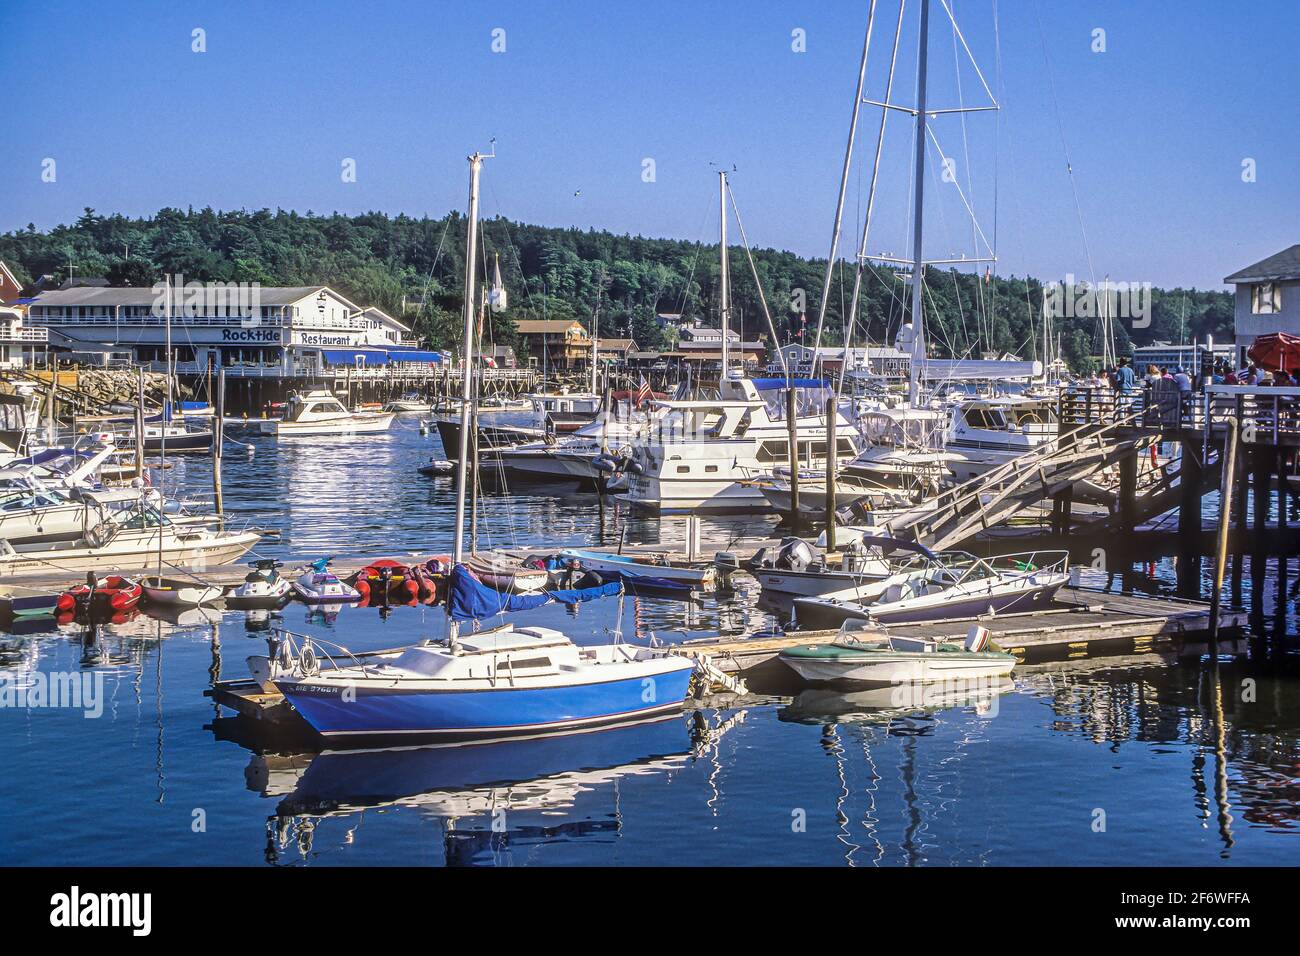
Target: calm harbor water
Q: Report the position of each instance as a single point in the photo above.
(1133, 760)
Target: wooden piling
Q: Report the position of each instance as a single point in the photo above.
(1127, 492)
(1225, 514)
(792, 429)
(218, 438)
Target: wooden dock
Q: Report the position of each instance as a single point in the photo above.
(1082, 623)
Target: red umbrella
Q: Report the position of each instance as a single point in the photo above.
(1277, 350)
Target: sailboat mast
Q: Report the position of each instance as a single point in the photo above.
(918, 266)
(723, 276)
(467, 347)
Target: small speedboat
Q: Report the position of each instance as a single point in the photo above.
(794, 568)
(865, 655)
(114, 592)
(437, 468)
(320, 413)
(319, 585)
(175, 592)
(654, 566)
(408, 403)
(263, 587)
(944, 586)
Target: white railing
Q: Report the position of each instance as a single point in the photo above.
(24, 335)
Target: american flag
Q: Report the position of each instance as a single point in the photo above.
(643, 393)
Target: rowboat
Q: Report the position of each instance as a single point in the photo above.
(506, 574)
(18, 601)
(654, 566)
(867, 656)
(175, 592)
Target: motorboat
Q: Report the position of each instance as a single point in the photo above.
(180, 592)
(867, 655)
(124, 530)
(115, 592)
(795, 569)
(551, 414)
(643, 566)
(319, 412)
(987, 432)
(585, 457)
(408, 403)
(438, 468)
(319, 585)
(777, 488)
(701, 454)
(263, 587)
(509, 681)
(932, 587)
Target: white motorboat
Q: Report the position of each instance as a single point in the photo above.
(319, 412)
(988, 432)
(702, 455)
(264, 586)
(124, 530)
(319, 585)
(796, 570)
(849, 491)
(929, 587)
(180, 592)
(408, 403)
(864, 655)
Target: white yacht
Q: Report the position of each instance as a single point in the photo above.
(702, 455)
(987, 432)
(319, 412)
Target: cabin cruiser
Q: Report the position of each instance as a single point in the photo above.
(319, 412)
(987, 432)
(410, 402)
(570, 458)
(702, 455)
(550, 414)
(932, 587)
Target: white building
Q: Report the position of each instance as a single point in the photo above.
(1164, 355)
(886, 361)
(1267, 298)
(16, 340)
(247, 330)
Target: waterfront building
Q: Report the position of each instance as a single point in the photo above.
(18, 343)
(1267, 298)
(279, 332)
(555, 343)
(1164, 355)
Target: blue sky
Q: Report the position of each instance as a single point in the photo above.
(1157, 126)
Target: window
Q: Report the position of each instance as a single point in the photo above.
(1265, 298)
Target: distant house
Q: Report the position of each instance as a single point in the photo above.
(498, 356)
(616, 350)
(1267, 298)
(11, 289)
(701, 344)
(887, 361)
(1167, 355)
(555, 343)
(17, 342)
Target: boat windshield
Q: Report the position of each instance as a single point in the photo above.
(810, 396)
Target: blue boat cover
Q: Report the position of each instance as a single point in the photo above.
(472, 600)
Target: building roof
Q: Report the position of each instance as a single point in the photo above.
(1276, 268)
(616, 345)
(382, 316)
(707, 332)
(136, 295)
(546, 326)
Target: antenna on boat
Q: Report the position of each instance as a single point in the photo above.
(723, 277)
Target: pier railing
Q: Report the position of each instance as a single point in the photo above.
(1265, 414)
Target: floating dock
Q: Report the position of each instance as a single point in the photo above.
(1081, 623)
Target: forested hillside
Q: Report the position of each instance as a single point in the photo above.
(413, 269)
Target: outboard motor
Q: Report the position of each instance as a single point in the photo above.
(726, 564)
(759, 559)
(795, 554)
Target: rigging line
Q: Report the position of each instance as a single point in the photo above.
(929, 129)
(997, 141)
(871, 197)
(762, 298)
(844, 183)
(960, 36)
(980, 313)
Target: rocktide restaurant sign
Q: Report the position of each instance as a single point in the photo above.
(327, 339)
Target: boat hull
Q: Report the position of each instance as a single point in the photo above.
(386, 710)
(808, 583)
(898, 668)
(818, 614)
(355, 425)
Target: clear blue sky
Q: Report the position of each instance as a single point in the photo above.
(1157, 126)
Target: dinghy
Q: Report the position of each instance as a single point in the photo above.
(115, 592)
(506, 574)
(387, 582)
(18, 601)
(319, 585)
(263, 587)
(178, 592)
(865, 655)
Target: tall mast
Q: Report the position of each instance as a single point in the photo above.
(918, 265)
(723, 277)
(467, 346)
